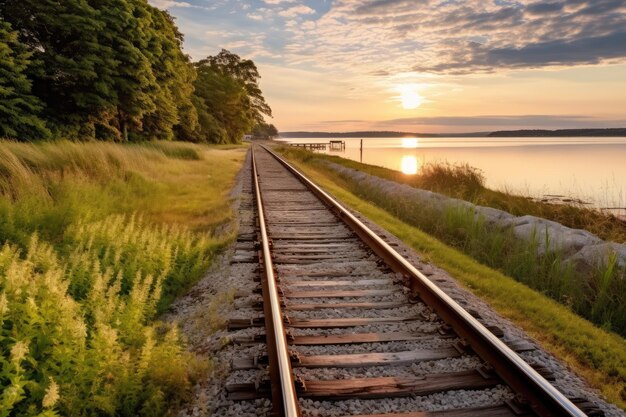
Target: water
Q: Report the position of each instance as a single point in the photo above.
(588, 169)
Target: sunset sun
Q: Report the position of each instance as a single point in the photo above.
(409, 97)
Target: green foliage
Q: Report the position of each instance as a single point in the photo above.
(175, 150)
(264, 130)
(245, 71)
(105, 69)
(461, 180)
(172, 255)
(127, 35)
(85, 267)
(19, 109)
(71, 70)
(223, 116)
(227, 98)
(115, 70)
(102, 349)
(174, 76)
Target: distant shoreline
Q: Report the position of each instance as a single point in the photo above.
(375, 134)
(609, 132)
(617, 132)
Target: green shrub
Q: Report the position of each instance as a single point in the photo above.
(102, 354)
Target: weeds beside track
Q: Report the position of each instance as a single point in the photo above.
(96, 239)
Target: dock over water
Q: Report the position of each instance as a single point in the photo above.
(333, 145)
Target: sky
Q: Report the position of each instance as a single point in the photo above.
(431, 66)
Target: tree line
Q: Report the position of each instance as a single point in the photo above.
(115, 70)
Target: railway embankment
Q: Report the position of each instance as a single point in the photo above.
(579, 248)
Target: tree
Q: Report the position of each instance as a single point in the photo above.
(264, 130)
(245, 71)
(110, 69)
(115, 70)
(127, 33)
(174, 76)
(229, 97)
(223, 106)
(19, 109)
(71, 70)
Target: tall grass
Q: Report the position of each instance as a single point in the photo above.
(597, 294)
(89, 254)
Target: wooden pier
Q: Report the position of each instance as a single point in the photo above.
(333, 145)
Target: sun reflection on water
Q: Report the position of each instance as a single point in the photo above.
(409, 165)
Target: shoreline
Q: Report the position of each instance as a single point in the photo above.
(530, 167)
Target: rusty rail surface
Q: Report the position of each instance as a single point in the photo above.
(284, 399)
(543, 398)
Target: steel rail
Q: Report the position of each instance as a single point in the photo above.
(284, 399)
(543, 398)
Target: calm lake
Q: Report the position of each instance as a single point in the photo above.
(589, 169)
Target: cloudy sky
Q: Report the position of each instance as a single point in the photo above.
(423, 65)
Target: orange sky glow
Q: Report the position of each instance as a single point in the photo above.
(429, 66)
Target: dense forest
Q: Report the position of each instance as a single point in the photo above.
(115, 70)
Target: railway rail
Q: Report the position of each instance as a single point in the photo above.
(348, 319)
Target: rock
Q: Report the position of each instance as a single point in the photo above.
(494, 216)
(590, 258)
(552, 236)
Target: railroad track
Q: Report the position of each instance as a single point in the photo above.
(352, 326)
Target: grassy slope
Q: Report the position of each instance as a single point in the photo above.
(441, 179)
(597, 355)
(95, 238)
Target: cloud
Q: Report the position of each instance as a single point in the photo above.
(168, 4)
(458, 37)
(542, 8)
(261, 14)
(296, 11)
(475, 57)
(389, 6)
(579, 51)
(503, 121)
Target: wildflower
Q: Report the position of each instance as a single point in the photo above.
(52, 395)
(19, 352)
(12, 394)
(4, 304)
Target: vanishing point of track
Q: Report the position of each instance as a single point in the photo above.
(336, 291)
